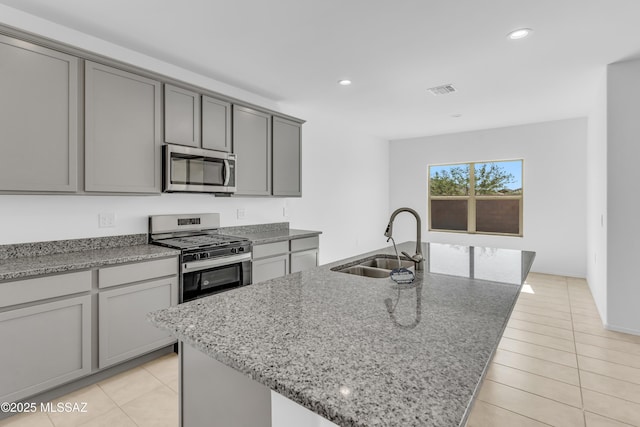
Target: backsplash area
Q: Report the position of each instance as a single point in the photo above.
(66, 246)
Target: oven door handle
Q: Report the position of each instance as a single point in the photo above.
(189, 267)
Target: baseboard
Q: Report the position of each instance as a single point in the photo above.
(621, 329)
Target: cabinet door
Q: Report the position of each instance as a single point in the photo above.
(269, 268)
(304, 260)
(181, 116)
(287, 178)
(122, 131)
(38, 118)
(44, 346)
(216, 124)
(252, 144)
(123, 329)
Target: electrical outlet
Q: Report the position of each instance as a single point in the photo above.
(285, 212)
(107, 220)
(240, 213)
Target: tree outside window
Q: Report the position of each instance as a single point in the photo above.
(476, 197)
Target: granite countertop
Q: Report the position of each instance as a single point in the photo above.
(28, 266)
(268, 233)
(361, 351)
(272, 236)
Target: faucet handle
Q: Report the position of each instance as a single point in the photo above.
(414, 258)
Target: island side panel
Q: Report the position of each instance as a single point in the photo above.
(215, 395)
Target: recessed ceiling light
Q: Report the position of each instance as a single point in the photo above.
(455, 116)
(519, 33)
(344, 82)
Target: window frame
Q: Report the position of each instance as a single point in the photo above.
(472, 198)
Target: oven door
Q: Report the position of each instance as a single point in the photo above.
(207, 277)
(189, 169)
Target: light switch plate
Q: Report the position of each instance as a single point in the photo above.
(240, 213)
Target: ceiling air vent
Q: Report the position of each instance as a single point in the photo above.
(442, 90)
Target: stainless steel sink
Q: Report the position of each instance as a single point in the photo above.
(387, 263)
(378, 266)
(361, 270)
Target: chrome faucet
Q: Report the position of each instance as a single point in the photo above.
(418, 259)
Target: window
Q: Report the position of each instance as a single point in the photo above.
(476, 197)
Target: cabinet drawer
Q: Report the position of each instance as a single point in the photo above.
(121, 274)
(304, 244)
(23, 291)
(270, 249)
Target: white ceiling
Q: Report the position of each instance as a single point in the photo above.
(295, 51)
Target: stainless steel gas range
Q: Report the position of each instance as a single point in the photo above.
(210, 262)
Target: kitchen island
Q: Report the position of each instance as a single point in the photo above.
(357, 351)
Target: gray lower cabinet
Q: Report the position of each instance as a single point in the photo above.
(304, 260)
(122, 131)
(38, 118)
(181, 116)
(48, 323)
(123, 329)
(269, 268)
(127, 293)
(216, 124)
(44, 345)
(287, 177)
(252, 145)
(278, 259)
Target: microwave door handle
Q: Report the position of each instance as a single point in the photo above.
(227, 172)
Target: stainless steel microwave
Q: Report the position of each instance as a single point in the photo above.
(194, 170)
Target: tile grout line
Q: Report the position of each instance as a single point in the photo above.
(609, 418)
(538, 333)
(513, 412)
(533, 394)
(536, 394)
(573, 332)
(538, 375)
(540, 345)
(541, 315)
(609, 348)
(543, 324)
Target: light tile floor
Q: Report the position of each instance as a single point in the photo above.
(146, 396)
(555, 365)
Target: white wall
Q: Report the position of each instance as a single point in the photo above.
(345, 176)
(554, 156)
(623, 205)
(596, 257)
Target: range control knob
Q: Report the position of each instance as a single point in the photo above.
(240, 249)
(196, 256)
(234, 250)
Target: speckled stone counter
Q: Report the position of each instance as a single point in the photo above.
(268, 233)
(70, 255)
(362, 351)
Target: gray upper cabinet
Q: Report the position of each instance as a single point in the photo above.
(252, 145)
(216, 124)
(122, 131)
(287, 178)
(38, 118)
(181, 116)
